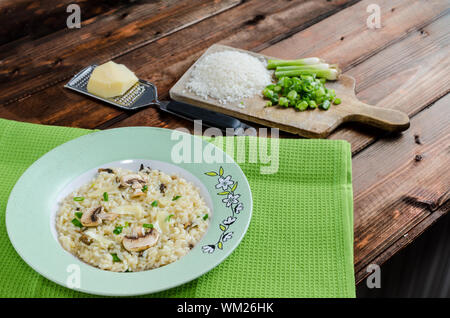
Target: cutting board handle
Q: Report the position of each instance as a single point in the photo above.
(383, 118)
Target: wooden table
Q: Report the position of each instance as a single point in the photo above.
(401, 182)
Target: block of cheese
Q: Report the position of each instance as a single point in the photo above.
(111, 79)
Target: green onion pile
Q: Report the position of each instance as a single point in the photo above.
(301, 84)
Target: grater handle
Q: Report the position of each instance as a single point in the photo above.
(208, 117)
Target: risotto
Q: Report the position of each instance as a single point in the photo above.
(132, 221)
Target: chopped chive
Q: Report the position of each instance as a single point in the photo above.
(205, 217)
(325, 105)
(77, 223)
(176, 197)
(155, 203)
(105, 196)
(147, 225)
(78, 214)
(127, 224)
(118, 230)
(78, 198)
(115, 258)
(337, 101)
(145, 188)
(169, 217)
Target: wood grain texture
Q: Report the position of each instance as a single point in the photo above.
(34, 65)
(164, 61)
(401, 187)
(408, 76)
(26, 20)
(393, 200)
(406, 19)
(345, 38)
(406, 239)
(312, 123)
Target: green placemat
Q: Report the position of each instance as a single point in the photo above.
(299, 243)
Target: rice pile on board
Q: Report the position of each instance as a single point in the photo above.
(228, 76)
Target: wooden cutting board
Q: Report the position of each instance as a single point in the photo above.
(315, 123)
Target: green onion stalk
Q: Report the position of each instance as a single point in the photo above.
(320, 66)
(330, 74)
(273, 64)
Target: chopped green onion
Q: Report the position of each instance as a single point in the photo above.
(147, 225)
(325, 105)
(155, 203)
(77, 223)
(337, 101)
(78, 214)
(301, 84)
(312, 104)
(176, 197)
(127, 224)
(169, 217)
(302, 105)
(274, 99)
(268, 93)
(115, 258)
(292, 96)
(145, 188)
(118, 230)
(277, 88)
(206, 216)
(283, 101)
(78, 199)
(105, 196)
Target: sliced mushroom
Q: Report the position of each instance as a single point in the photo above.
(133, 180)
(91, 217)
(95, 216)
(141, 242)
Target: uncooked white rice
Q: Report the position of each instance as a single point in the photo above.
(96, 245)
(228, 76)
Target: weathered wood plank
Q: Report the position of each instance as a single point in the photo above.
(30, 19)
(406, 239)
(345, 38)
(34, 65)
(392, 200)
(248, 25)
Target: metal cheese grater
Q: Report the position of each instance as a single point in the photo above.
(144, 94)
